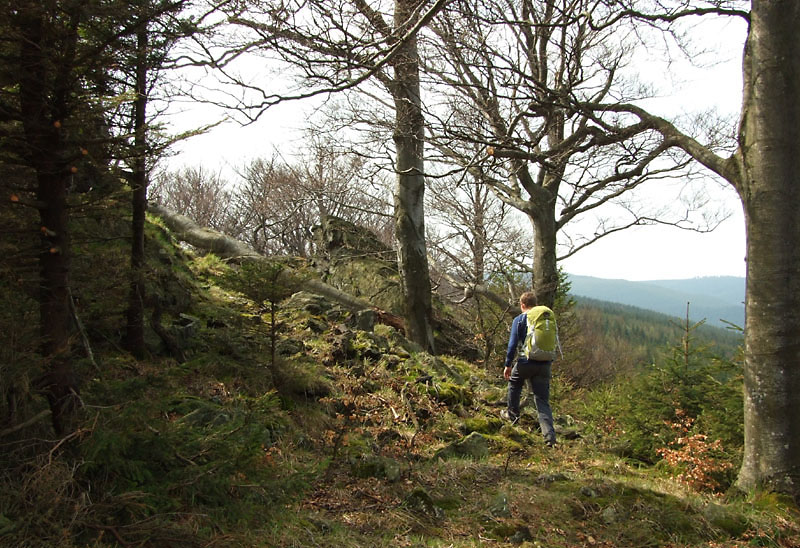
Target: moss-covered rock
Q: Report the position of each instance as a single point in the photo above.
(375, 466)
(498, 507)
(308, 302)
(725, 519)
(475, 446)
(303, 378)
(368, 346)
(518, 435)
(400, 346)
(436, 367)
(420, 502)
(450, 394)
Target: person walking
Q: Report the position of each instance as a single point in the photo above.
(536, 372)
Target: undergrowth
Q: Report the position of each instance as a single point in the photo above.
(302, 429)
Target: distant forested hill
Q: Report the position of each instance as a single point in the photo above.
(649, 334)
(716, 299)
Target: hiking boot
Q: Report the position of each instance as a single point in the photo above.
(507, 416)
(550, 443)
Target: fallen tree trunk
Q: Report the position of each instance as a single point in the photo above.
(225, 247)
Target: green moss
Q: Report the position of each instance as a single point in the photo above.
(462, 368)
(726, 519)
(375, 466)
(517, 434)
(302, 377)
(369, 279)
(208, 265)
(450, 394)
(474, 446)
(484, 425)
(421, 503)
(368, 346)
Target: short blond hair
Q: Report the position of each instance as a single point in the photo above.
(528, 299)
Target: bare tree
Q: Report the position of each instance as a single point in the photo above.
(469, 237)
(470, 227)
(519, 74)
(279, 204)
(273, 213)
(196, 193)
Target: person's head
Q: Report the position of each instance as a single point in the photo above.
(527, 300)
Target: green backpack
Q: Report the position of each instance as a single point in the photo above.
(541, 341)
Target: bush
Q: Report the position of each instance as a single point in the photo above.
(694, 390)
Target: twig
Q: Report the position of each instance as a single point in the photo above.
(76, 434)
(508, 461)
(113, 530)
(86, 345)
(30, 421)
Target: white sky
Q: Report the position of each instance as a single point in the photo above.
(660, 253)
(644, 253)
(657, 252)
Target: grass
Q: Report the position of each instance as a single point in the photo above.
(560, 498)
(191, 459)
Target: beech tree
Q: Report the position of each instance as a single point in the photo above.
(529, 69)
(764, 170)
(341, 46)
(197, 193)
(474, 230)
(468, 241)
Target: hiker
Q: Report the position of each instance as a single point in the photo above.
(535, 370)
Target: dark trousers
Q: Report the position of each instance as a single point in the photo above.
(538, 376)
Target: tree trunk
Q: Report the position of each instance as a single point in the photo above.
(59, 383)
(42, 104)
(545, 269)
(478, 229)
(409, 193)
(770, 193)
(134, 336)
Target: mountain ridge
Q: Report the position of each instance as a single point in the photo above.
(719, 300)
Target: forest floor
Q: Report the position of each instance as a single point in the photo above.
(313, 429)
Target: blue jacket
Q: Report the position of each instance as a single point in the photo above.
(519, 329)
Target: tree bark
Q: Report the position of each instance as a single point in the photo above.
(545, 268)
(134, 336)
(412, 255)
(770, 193)
(43, 109)
(765, 171)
